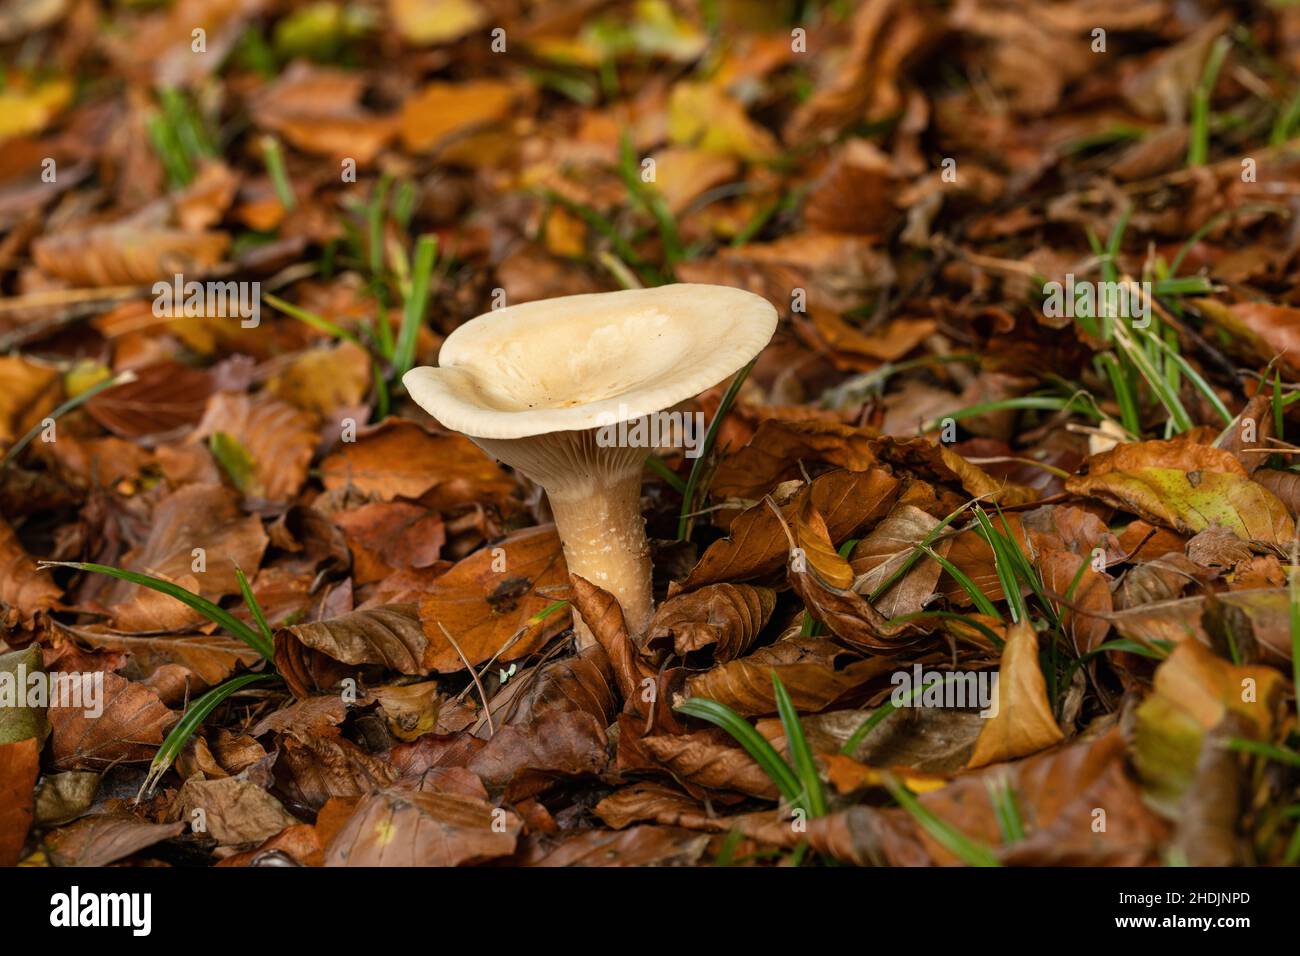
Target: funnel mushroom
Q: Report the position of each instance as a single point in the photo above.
(565, 390)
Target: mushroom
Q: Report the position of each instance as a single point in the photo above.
(567, 391)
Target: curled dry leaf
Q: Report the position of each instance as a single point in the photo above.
(706, 761)
(1195, 691)
(757, 546)
(824, 581)
(886, 549)
(24, 587)
(234, 810)
(779, 448)
(1084, 620)
(631, 670)
(721, 619)
(524, 761)
(389, 636)
(816, 672)
(1024, 723)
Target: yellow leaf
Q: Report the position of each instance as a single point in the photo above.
(1023, 723)
(1192, 501)
(29, 110)
(1195, 690)
(705, 117)
(430, 22)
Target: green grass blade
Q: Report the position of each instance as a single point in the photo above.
(273, 154)
(417, 305)
(1274, 752)
(754, 743)
(706, 450)
(194, 716)
(253, 607)
(1003, 798)
(213, 612)
(317, 322)
(800, 753)
(978, 597)
(1198, 150)
(949, 837)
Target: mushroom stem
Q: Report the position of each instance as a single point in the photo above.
(594, 487)
(604, 541)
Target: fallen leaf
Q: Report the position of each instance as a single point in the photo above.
(278, 439)
(488, 600)
(106, 838)
(400, 459)
(757, 546)
(722, 620)
(233, 810)
(127, 727)
(197, 538)
(1024, 723)
(19, 768)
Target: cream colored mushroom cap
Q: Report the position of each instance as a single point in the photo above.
(584, 361)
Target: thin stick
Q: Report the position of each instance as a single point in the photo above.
(487, 709)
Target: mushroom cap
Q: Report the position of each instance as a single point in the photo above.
(584, 361)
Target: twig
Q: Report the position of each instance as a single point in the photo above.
(487, 709)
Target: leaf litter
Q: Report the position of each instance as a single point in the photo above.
(992, 556)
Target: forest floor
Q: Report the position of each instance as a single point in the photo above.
(1022, 433)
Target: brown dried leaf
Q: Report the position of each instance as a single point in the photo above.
(815, 671)
(400, 459)
(721, 619)
(1024, 723)
(487, 598)
(234, 810)
(195, 516)
(19, 768)
(129, 729)
(23, 586)
(165, 397)
(279, 438)
(404, 828)
(128, 253)
(105, 838)
(757, 546)
(391, 636)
